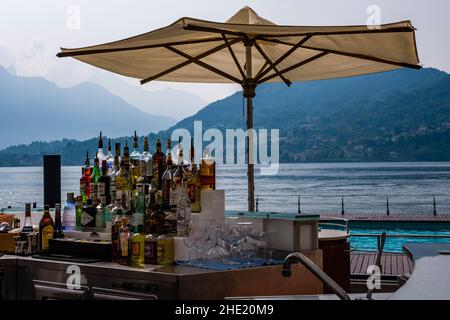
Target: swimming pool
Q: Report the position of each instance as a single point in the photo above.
(394, 244)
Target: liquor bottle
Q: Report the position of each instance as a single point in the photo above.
(168, 151)
(118, 151)
(178, 178)
(95, 175)
(183, 212)
(46, 230)
(124, 254)
(58, 232)
(138, 247)
(165, 250)
(170, 223)
(83, 185)
(122, 182)
(150, 251)
(117, 210)
(28, 225)
(157, 164)
(135, 155)
(88, 215)
(109, 159)
(126, 153)
(139, 206)
(69, 214)
(113, 173)
(101, 214)
(115, 233)
(147, 159)
(87, 175)
(104, 184)
(78, 211)
(167, 183)
(194, 184)
(100, 154)
(208, 171)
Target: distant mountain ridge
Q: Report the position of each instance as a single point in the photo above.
(36, 109)
(402, 115)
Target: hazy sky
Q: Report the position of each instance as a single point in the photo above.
(31, 32)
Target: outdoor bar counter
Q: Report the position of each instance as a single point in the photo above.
(106, 280)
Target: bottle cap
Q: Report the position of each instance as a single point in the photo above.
(70, 197)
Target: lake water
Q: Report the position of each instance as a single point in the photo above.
(364, 186)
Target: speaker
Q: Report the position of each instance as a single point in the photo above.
(52, 180)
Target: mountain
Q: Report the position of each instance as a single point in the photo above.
(34, 109)
(167, 102)
(402, 115)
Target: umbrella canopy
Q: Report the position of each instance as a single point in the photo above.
(249, 50)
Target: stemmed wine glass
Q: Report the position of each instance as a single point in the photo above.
(189, 242)
(217, 252)
(245, 249)
(200, 242)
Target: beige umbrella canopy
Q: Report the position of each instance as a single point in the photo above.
(249, 50)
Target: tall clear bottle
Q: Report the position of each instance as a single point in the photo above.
(109, 159)
(167, 183)
(147, 159)
(183, 212)
(100, 153)
(69, 212)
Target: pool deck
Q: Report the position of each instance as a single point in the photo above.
(392, 264)
(392, 217)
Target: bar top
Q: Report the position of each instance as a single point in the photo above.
(168, 273)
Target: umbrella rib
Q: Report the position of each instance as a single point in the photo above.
(366, 57)
(209, 67)
(285, 55)
(295, 66)
(150, 46)
(262, 68)
(185, 63)
(337, 33)
(272, 66)
(233, 55)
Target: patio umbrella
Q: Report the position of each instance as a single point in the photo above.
(249, 50)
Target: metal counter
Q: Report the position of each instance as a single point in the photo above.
(22, 276)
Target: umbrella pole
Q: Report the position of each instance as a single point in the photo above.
(249, 87)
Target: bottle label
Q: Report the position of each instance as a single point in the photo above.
(69, 217)
(83, 188)
(47, 234)
(136, 248)
(94, 190)
(123, 238)
(86, 218)
(191, 192)
(138, 219)
(101, 187)
(150, 252)
(166, 194)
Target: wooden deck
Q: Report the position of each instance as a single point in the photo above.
(394, 264)
(392, 217)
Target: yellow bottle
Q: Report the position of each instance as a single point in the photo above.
(138, 248)
(165, 250)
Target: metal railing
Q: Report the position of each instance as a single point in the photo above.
(385, 203)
